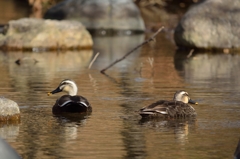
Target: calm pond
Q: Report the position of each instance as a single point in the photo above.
(114, 129)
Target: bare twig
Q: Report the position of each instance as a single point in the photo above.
(95, 57)
(146, 41)
(150, 60)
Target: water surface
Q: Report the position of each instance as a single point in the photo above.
(114, 129)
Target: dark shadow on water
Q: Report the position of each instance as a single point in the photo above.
(114, 32)
(72, 117)
(182, 57)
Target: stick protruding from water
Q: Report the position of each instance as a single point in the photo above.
(145, 42)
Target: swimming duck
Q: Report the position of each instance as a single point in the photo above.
(71, 103)
(178, 107)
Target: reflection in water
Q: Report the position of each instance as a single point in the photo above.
(9, 130)
(114, 47)
(48, 134)
(180, 127)
(71, 122)
(30, 76)
(113, 130)
(200, 66)
(133, 137)
(47, 62)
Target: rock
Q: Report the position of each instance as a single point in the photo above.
(211, 24)
(9, 110)
(104, 14)
(7, 151)
(237, 151)
(29, 33)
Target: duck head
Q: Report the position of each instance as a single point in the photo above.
(67, 86)
(183, 97)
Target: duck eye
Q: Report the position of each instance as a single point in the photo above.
(62, 85)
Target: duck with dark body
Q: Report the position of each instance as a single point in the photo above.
(176, 108)
(71, 103)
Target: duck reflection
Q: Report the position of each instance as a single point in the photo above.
(72, 117)
(180, 127)
(71, 122)
(32, 72)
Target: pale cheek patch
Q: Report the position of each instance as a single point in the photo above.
(66, 89)
(185, 99)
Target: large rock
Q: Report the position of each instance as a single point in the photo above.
(9, 110)
(210, 24)
(95, 14)
(30, 33)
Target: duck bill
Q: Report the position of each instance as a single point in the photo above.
(192, 102)
(54, 91)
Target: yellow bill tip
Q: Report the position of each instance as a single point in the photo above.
(196, 103)
(49, 93)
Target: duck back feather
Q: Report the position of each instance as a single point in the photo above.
(71, 104)
(164, 108)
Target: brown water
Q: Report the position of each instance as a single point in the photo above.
(114, 129)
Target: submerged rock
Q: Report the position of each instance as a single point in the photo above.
(9, 110)
(95, 14)
(210, 24)
(29, 33)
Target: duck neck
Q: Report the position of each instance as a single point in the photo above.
(73, 91)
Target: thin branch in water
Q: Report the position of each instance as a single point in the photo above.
(151, 60)
(190, 53)
(145, 42)
(94, 59)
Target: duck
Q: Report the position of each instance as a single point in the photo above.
(176, 108)
(70, 103)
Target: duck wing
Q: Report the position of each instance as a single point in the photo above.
(68, 103)
(67, 99)
(168, 108)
